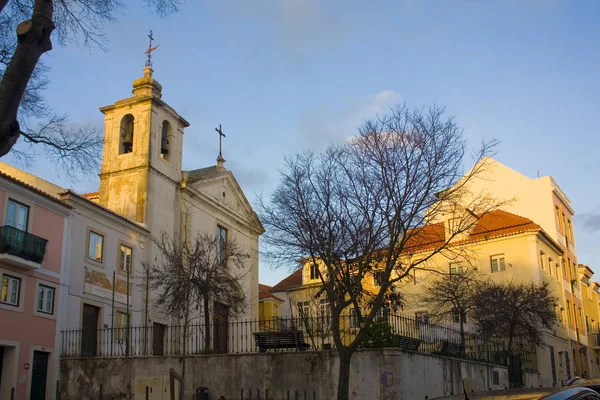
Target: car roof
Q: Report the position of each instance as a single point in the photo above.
(567, 393)
(586, 383)
(512, 394)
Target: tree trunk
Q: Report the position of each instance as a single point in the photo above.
(462, 334)
(343, 391)
(183, 357)
(206, 323)
(33, 40)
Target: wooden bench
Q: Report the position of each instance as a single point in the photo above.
(280, 340)
(451, 349)
(407, 343)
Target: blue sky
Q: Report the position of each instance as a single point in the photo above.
(288, 75)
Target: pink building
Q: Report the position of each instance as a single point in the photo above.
(34, 226)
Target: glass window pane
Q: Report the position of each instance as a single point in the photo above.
(22, 218)
(12, 211)
(4, 296)
(49, 299)
(40, 305)
(95, 246)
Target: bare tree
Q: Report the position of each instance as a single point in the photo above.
(23, 111)
(514, 313)
(361, 207)
(192, 273)
(450, 295)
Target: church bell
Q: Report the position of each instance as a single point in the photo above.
(164, 145)
(127, 140)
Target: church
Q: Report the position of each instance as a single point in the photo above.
(100, 297)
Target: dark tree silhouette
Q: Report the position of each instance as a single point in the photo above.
(26, 27)
(191, 274)
(360, 207)
(514, 313)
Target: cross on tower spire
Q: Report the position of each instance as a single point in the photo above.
(221, 136)
(150, 50)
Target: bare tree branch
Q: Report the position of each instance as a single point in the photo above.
(364, 206)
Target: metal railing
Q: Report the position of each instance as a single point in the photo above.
(22, 244)
(239, 337)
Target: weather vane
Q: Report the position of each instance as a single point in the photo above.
(221, 136)
(150, 50)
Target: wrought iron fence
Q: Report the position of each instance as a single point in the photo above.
(278, 334)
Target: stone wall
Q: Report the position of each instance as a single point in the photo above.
(375, 374)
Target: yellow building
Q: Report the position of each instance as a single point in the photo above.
(590, 293)
(269, 307)
(502, 246)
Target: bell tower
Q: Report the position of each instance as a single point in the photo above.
(143, 141)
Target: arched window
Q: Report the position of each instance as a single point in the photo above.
(126, 135)
(165, 146)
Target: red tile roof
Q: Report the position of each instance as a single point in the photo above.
(34, 189)
(495, 224)
(263, 292)
(91, 196)
(295, 279)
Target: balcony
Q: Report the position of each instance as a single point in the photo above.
(21, 248)
(594, 340)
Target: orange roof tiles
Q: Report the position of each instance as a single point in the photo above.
(295, 279)
(492, 225)
(91, 196)
(263, 292)
(34, 189)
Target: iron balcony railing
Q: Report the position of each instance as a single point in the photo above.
(287, 334)
(22, 244)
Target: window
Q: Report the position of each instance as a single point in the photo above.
(221, 244)
(45, 302)
(165, 146)
(378, 278)
(498, 263)
(125, 258)
(95, 246)
(558, 218)
(456, 268)
(353, 322)
(275, 310)
(303, 309)
(126, 135)
(570, 231)
(569, 316)
(120, 325)
(422, 317)
(314, 271)
(324, 310)
(11, 290)
(551, 269)
(456, 317)
(542, 259)
(17, 215)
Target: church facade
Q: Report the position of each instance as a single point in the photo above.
(144, 195)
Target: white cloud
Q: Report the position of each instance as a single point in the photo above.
(332, 123)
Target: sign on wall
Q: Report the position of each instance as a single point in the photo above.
(98, 284)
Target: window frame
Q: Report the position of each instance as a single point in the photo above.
(121, 329)
(9, 276)
(44, 300)
(378, 278)
(221, 246)
(422, 317)
(314, 272)
(497, 256)
(458, 266)
(87, 251)
(120, 259)
(15, 216)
